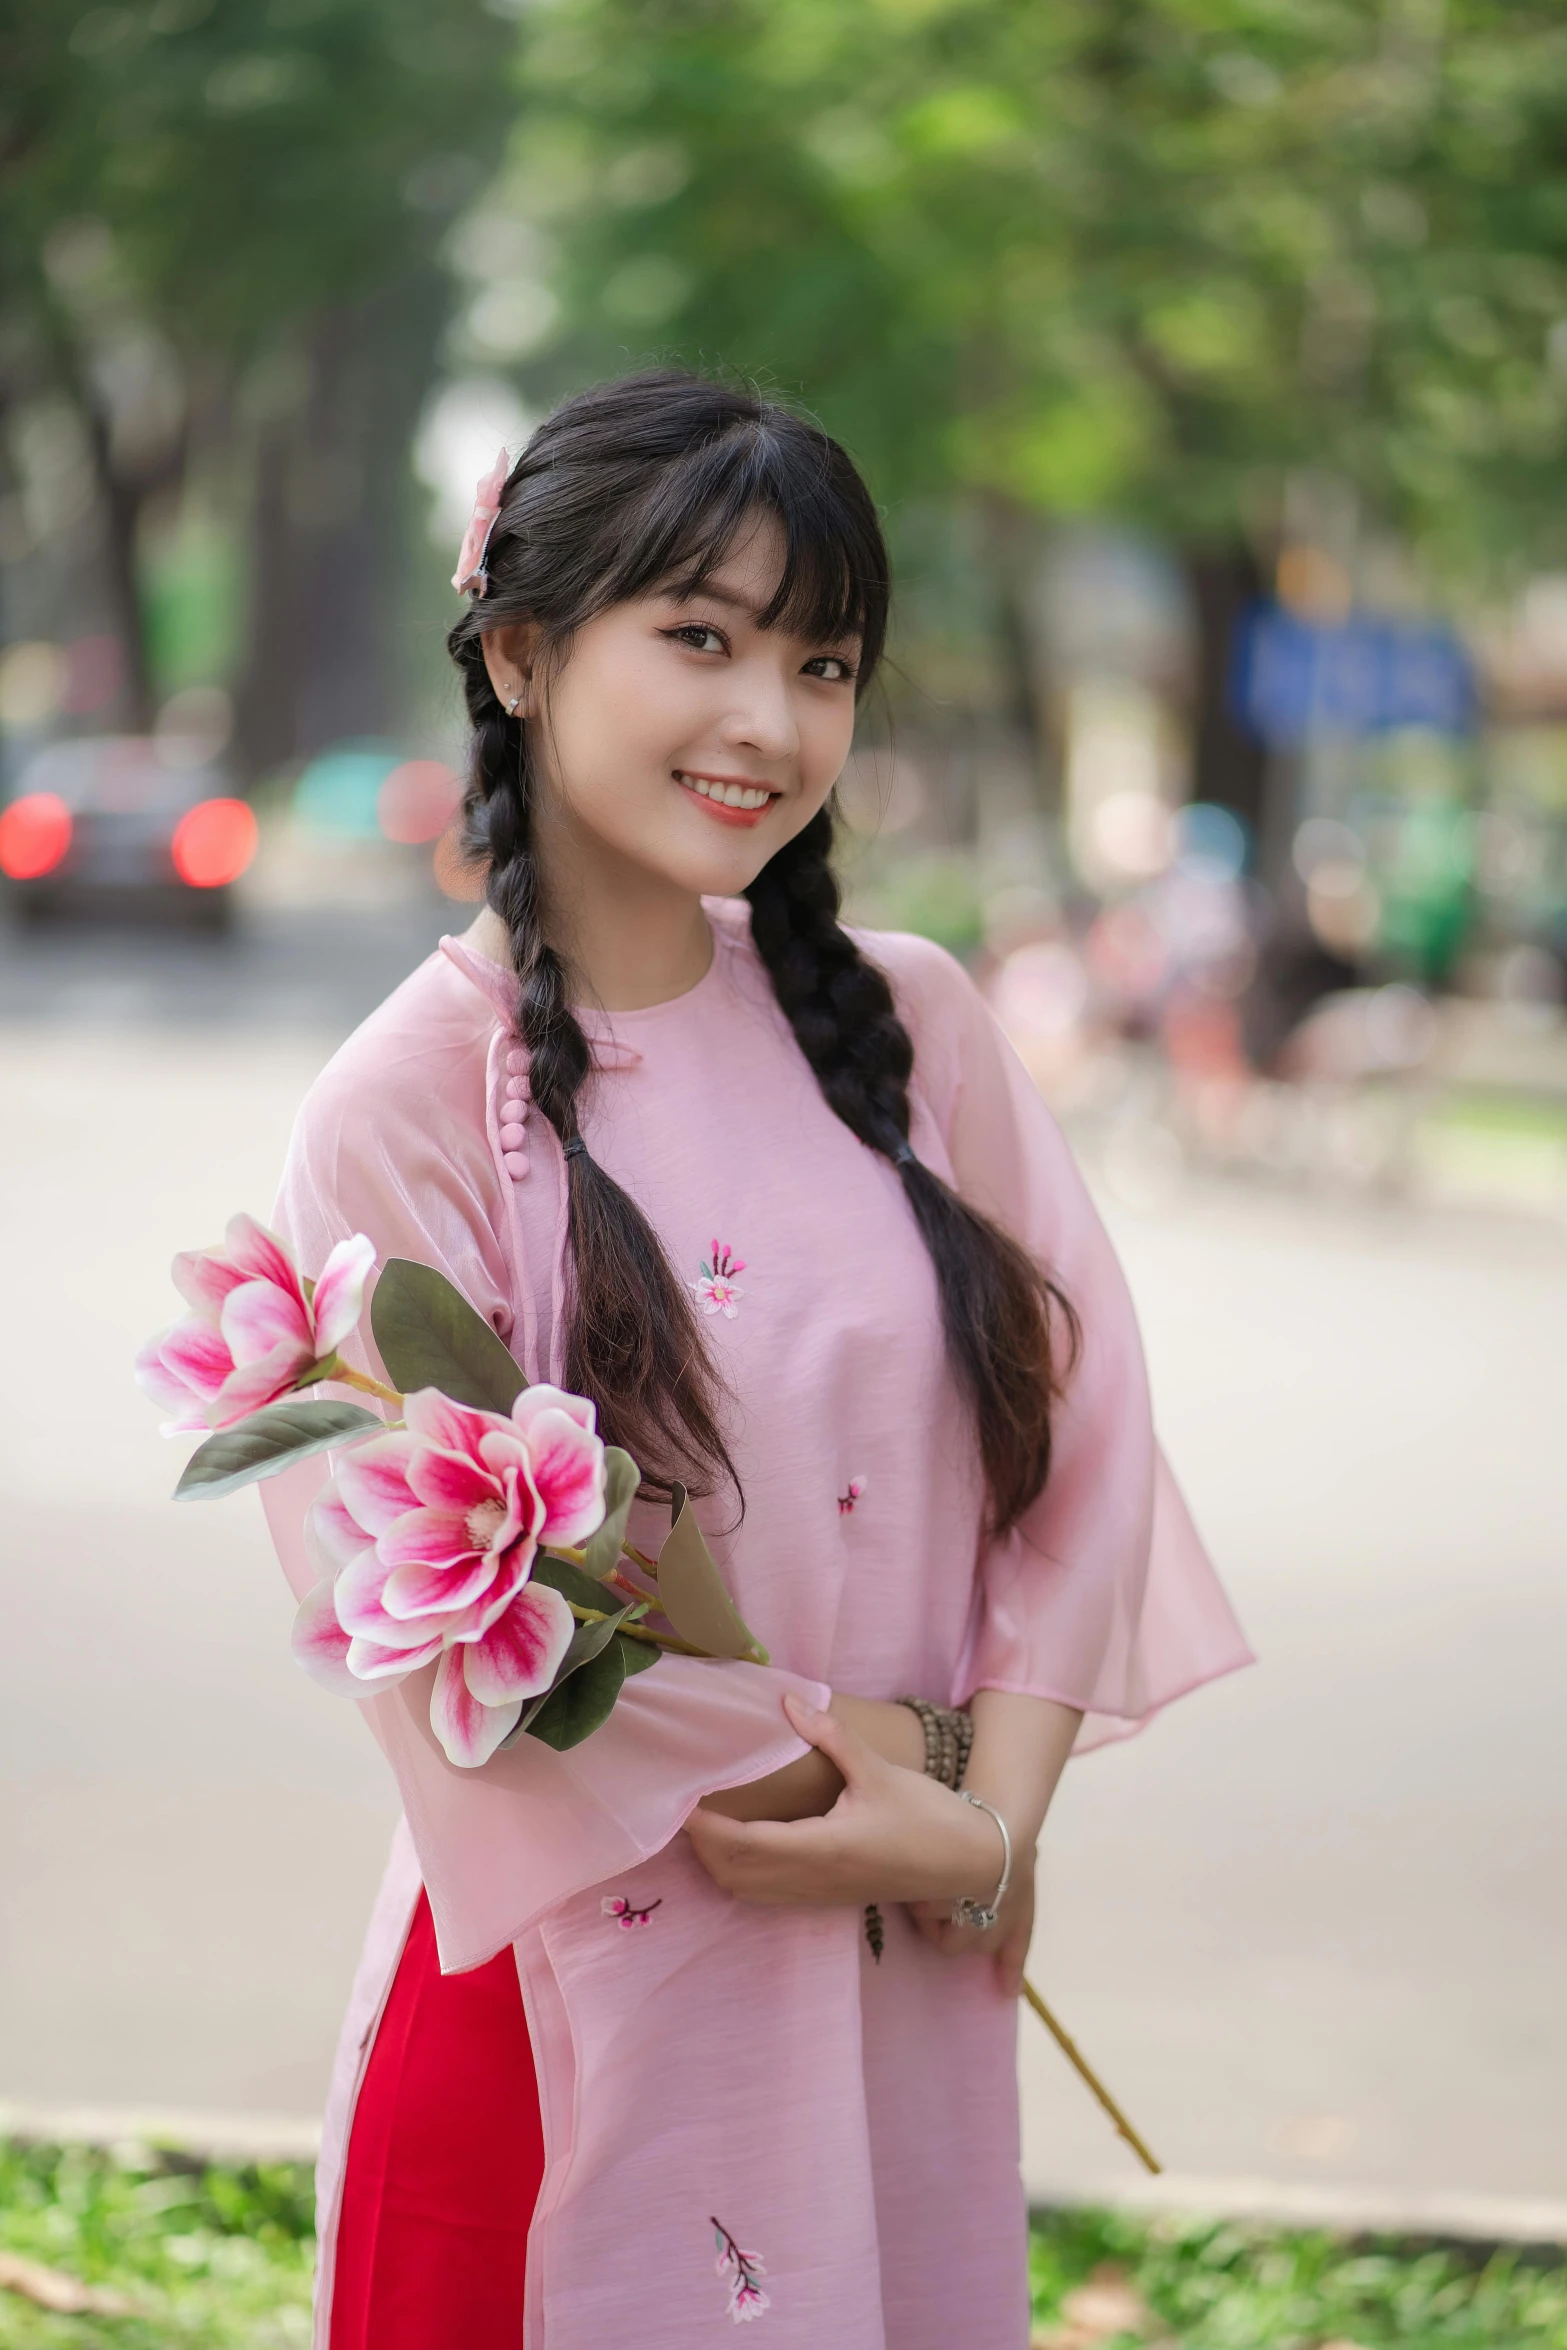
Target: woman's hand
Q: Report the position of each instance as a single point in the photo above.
(1006, 1941)
(892, 1835)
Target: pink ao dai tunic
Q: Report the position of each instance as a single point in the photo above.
(853, 2123)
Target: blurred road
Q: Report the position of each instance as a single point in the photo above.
(1313, 1926)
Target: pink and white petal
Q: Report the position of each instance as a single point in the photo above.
(154, 1378)
(419, 1592)
(568, 1475)
(333, 1532)
(340, 1293)
(204, 1277)
(257, 1318)
(259, 1255)
(512, 1571)
(521, 1652)
(451, 1427)
(361, 1609)
(545, 1398)
(373, 1480)
(194, 1352)
(450, 1480)
(320, 1644)
(370, 1660)
(468, 1731)
(245, 1391)
(429, 1538)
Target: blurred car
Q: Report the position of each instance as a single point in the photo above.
(119, 822)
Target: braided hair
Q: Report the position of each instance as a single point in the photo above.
(623, 488)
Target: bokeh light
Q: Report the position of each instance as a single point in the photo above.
(337, 797)
(35, 833)
(417, 801)
(33, 680)
(214, 842)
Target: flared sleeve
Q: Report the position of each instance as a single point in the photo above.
(392, 1141)
(1103, 1597)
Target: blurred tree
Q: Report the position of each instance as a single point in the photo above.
(1165, 260)
(220, 232)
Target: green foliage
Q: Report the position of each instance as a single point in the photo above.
(430, 1336)
(1226, 2286)
(267, 1442)
(212, 2258)
(1111, 255)
(218, 2257)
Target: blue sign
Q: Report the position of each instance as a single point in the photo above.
(1292, 682)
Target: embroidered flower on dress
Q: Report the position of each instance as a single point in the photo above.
(615, 1905)
(717, 1291)
(741, 2269)
(846, 1501)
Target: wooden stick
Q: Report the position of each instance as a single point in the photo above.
(1080, 2064)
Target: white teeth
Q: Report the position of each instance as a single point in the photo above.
(728, 795)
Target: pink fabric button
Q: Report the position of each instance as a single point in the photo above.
(515, 1164)
(515, 1105)
(517, 1064)
(513, 1137)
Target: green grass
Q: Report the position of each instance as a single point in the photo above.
(1218, 2285)
(212, 2259)
(217, 2258)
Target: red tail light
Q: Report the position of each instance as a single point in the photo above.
(214, 842)
(35, 832)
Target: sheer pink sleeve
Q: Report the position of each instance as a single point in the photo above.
(391, 1141)
(1103, 1597)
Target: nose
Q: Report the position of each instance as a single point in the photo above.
(762, 714)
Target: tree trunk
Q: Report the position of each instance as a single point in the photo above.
(120, 504)
(1229, 765)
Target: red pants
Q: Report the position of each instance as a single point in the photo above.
(444, 2163)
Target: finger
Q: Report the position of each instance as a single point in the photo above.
(835, 1739)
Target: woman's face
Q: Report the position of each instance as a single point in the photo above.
(680, 737)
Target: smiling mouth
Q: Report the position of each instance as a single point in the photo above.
(735, 803)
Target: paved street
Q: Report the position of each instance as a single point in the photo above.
(1312, 1926)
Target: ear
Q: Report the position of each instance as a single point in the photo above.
(510, 655)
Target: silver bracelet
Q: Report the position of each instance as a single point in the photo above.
(981, 1913)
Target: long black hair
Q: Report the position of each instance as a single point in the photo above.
(626, 487)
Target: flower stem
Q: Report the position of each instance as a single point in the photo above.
(347, 1376)
(599, 1615)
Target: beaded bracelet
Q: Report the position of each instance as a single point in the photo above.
(949, 1739)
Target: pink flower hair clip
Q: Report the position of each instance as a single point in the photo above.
(470, 576)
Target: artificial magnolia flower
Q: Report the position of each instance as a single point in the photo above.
(427, 1538)
(256, 1326)
(470, 572)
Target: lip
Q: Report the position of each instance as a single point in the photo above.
(738, 819)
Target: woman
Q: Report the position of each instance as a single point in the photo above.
(723, 2032)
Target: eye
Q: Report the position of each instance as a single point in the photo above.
(696, 634)
(833, 668)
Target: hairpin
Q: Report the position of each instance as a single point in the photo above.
(470, 575)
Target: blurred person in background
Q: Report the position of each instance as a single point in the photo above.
(905, 1379)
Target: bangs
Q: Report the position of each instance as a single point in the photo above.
(833, 583)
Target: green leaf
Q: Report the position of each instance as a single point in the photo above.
(588, 1642)
(636, 1655)
(574, 1584)
(691, 1591)
(430, 1336)
(621, 1480)
(268, 1441)
(575, 1708)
